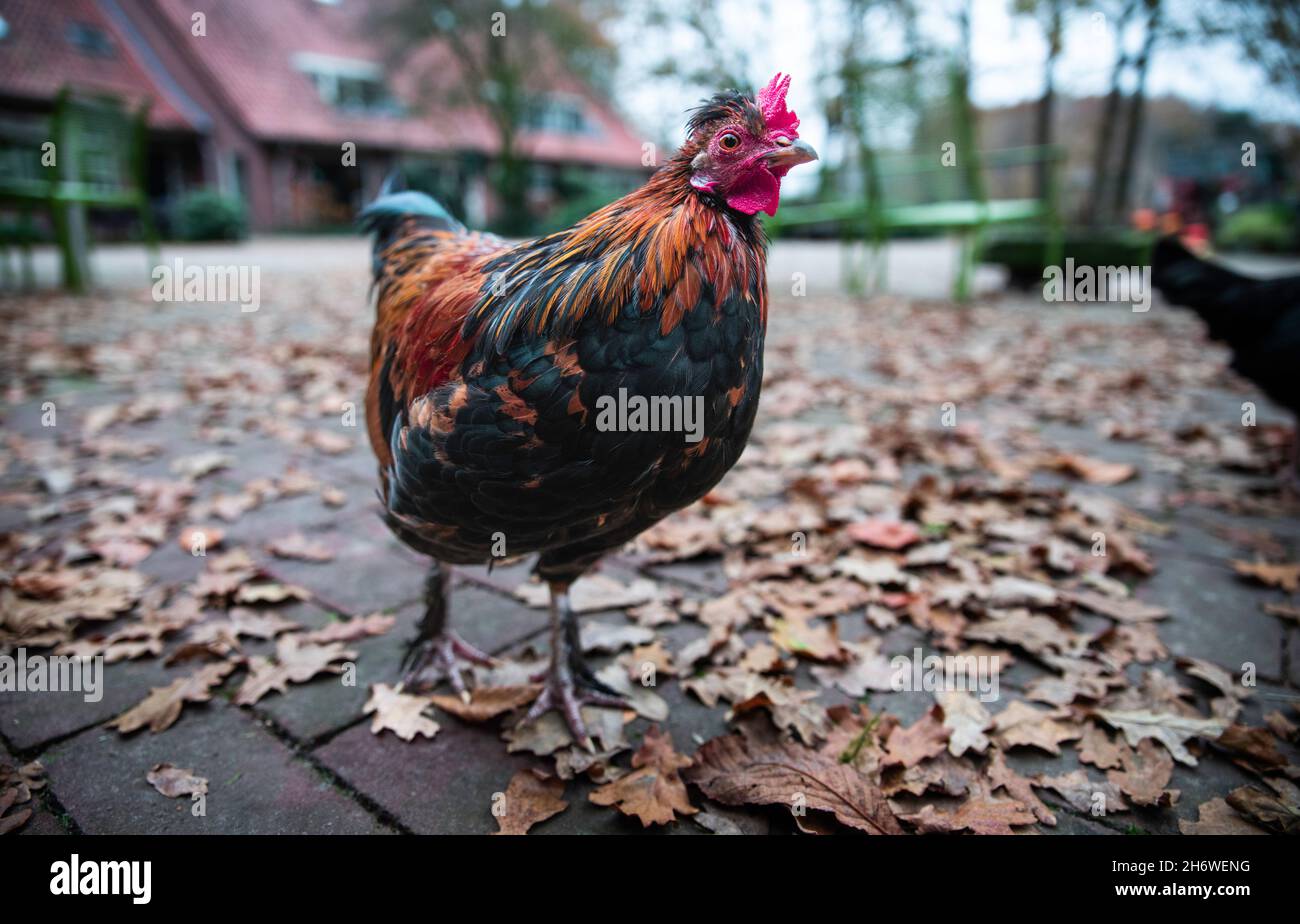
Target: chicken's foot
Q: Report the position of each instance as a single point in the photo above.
(569, 682)
(437, 652)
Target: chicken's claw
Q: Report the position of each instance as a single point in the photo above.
(439, 657)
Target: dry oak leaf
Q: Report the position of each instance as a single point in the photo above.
(1093, 471)
(1097, 748)
(176, 781)
(1217, 817)
(1125, 610)
(163, 705)
(735, 771)
(982, 813)
(1215, 676)
(1018, 787)
(868, 669)
(884, 534)
(1170, 729)
(298, 547)
(1285, 576)
(531, 797)
(350, 630)
(791, 709)
(926, 737)
(398, 712)
(1083, 793)
(967, 720)
(488, 702)
(294, 663)
(1256, 746)
(1278, 811)
(1146, 773)
(1023, 725)
(1039, 635)
(654, 790)
(802, 638)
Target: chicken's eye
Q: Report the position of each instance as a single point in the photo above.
(729, 142)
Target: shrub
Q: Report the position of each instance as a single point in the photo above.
(207, 215)
(1268, 227)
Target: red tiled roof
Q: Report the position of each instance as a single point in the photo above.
(38, 59)
(249, 52)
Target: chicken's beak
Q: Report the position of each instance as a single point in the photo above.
(791, 154)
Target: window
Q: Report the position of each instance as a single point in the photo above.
(562, 114)
(352, 86)
(90, 40)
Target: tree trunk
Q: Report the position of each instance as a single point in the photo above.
(1136, 111)
(1043, 121)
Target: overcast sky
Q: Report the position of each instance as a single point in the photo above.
(1008, 54)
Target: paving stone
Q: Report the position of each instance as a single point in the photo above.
(1215, 616)
(442, 785)
(256, 784)
(42, 820)
(30, 719)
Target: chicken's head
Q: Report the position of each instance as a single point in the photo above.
(746, 145)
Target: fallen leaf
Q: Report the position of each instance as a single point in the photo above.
(294, 662)
(1217, 817)
(734, 771)
(1285, 576)
(654, 790)
(531, 798)
(298, 547)
(487, 702)
(175, 781)
(162, 707)
(398, 712)
(966, 720)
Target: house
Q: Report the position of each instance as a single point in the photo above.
(288, 105)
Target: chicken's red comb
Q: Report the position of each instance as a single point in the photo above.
(771, 102)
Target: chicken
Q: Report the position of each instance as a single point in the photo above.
(1258, 318)
(496, 369)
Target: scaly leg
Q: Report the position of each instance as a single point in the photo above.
(436, 652)
(570, 683)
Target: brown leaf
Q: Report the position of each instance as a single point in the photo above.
(175, 781)
(1145, 775)
(884, 534)
(654, 790)
(981, 814)
(800, 637)
(1285, 576)
(1018, 787)
(1169, 728)
(735, 771)
(163, 705)
(350, 630)
(298, 547)
(1217, 817)
(926, 737)
(398, 712)
(294, 663)
(531, 798)
(1093, 471)
(1097, 748)
(488, 702)
(1277, 811)
(1023, 725)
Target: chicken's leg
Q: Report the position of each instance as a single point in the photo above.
(436, 652)
(570, 683)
